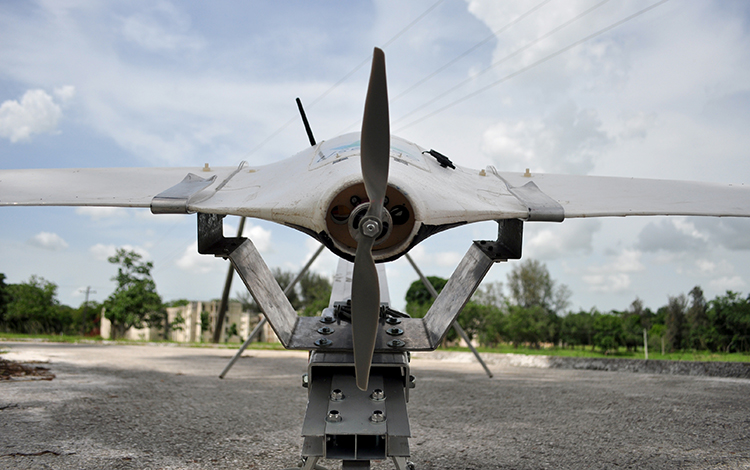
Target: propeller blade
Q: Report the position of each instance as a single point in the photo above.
(375, 151)
(376, 136)
(365, 310)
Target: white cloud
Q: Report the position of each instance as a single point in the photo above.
(36, 113)
(733, 283)
(103, 252)
(194, 262)
(547, 242)
(566, 141)
(614, 277)
(65, 93)
(48, 241)
(162, 28)
(97, 213)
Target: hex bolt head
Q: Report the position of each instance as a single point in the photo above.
(396, 343)
(325, 330)
(377, 395)
(337, 395)
(392, 321)
(377, 416)
(395, 331)
(323, 342)
(334, 416)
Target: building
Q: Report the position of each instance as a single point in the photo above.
(196, 322)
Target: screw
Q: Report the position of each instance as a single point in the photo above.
(392, 321)
(333, 416)
(325, 330)
(395, 331)
(377, 395)
(396, 343)
(377, 416)
(323, 342)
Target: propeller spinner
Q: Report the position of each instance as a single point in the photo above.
(375, 148)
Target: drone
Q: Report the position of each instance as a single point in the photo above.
(369, 197)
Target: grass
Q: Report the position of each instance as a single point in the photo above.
(703, 356)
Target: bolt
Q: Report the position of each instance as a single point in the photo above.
(370, 228)
(325, 330)
(337, 395)
(333, 416)
(392, 321)
(377, 416)
(377, 395)
(323, 342)
(395, 331)
(305, 381)
(396, 343)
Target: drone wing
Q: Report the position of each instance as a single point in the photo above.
(573, 196)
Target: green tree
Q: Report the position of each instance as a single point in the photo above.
(4, 300)
(314, 293)
(418, 298)
(608, 332)
(675, 322)
(698, 324)
(730, 323)
(531, 285)
(33, 307)
(135, 300)
(577, 329)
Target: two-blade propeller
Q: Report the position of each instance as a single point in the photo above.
(375, 148)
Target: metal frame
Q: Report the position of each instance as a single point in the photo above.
(342, 421)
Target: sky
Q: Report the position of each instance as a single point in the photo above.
(644, 89)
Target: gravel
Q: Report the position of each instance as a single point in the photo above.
(162, 407)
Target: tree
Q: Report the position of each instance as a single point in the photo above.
(418, 298)
(730, 323)
(697, 320)
(675, 322)
(315, 293)
(577, 329)
(135, 300)
(33, 307)
(530, 285)
(4, 299)
(608, 332)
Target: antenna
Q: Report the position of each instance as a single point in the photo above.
(307, 124)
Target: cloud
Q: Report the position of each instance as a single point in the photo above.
(568, 140)
(546, 241)
(48, 241)
(103, 252)
(443, 259)
(677, 235)
(733, 283)
(36, 113)
(194, 262)
(672, 235)
(162, 28)
(614, 277)
(98, 213)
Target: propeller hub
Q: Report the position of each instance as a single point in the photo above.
(363, 225)
(370, 227)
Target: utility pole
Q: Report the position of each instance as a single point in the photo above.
(85, 308)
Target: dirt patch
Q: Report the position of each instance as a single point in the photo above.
(11, 370)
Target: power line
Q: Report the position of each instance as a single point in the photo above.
(344, 78)
(530, 66)
(472, 49)
(504, 59)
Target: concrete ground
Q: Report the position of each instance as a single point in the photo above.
(128, 407)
